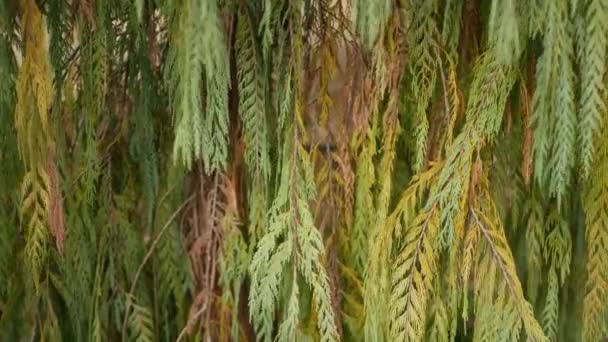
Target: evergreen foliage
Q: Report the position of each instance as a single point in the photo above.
(408, 170)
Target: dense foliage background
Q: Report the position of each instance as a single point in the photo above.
(357, 170)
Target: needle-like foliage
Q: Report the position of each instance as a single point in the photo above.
(298, 170)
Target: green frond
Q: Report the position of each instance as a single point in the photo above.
(384, 182)
(596, 219)
(565, 126)
(412, 279)
(142, 145)
(554, 114)
(34, 203)
(537, 17)
(379, 288)
(504, 31)
(441, 328)
(592, 104)
(252, 99)
(365, 178)
(551, 308)
(484, 114)
(272, 17)
(295, 170)
(290, 239)
(452, 23)
(174, 276)
(289, 328)
(370, 19)
(34, 91)
(424, 64)
(557, 252)
(557, 249)
(535, 237)
(140, 323)
(470, 247)
(198, 53)
(233, 264)
(252, 105)
(505, 285)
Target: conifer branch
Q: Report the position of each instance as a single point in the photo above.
(596, 219)
(504, 261)
(148, 255)
(593, 92)
(370, 170)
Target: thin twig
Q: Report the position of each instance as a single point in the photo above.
(146, 258)
(193, 319)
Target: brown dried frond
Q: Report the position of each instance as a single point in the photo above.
(202, 243)
(214, 209)
(526, 110)
(56, 209)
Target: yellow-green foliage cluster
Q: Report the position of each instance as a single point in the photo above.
(303, 170)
